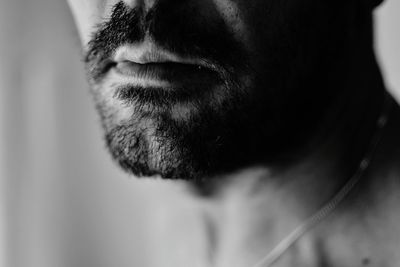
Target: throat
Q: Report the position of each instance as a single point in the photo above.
(252, 214)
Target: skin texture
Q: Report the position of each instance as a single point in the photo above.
(267, 62)
(281, 122)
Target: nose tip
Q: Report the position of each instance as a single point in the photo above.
(146, 4)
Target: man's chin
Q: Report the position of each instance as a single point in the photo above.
(147, 153)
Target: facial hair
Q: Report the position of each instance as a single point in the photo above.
(154, 143)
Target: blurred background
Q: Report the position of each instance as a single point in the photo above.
(63, 203)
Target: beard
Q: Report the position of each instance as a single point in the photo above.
(188, 132)
(247, 114)
(176, 135)
(203, 144)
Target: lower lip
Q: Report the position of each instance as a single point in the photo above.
(164, 84)
(172, 73)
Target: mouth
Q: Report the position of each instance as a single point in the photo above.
(148, 62)
(146, 73)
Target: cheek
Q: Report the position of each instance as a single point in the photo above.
(234, 16)
(88, 14)
(250, 20)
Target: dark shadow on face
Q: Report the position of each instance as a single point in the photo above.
(250, 114)
(179, 30)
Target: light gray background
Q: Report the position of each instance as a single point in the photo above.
(63, 202)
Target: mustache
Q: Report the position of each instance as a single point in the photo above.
(183, 32)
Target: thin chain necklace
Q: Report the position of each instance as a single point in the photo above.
(329, 207)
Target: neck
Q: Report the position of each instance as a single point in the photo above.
(259, 206)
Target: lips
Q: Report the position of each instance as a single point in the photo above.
(152, 63)
(149, 52)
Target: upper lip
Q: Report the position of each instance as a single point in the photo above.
(150, 53)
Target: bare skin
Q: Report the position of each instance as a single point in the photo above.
(249, 211)
(257, 212)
